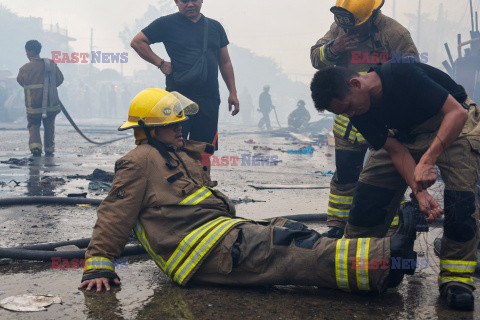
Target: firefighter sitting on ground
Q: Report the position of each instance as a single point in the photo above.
(40, 79)
(298, 119)
(415, 117)
(163, 192)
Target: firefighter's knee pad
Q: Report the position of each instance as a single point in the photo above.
(459, 223)
(295, 231)
(349, 165)
(369, 207)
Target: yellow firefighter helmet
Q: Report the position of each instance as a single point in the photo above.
(353, 13)
(156, 107)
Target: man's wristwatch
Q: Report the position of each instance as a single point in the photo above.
(161, 64)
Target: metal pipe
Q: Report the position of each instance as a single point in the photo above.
(468, 42)
(471, 15)
(449, 55)
(476, 20)
(459, 41)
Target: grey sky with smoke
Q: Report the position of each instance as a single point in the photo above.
(284, 30)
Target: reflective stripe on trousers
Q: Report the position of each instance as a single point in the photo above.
(464, 268)
(191, 250)
(361, 270)
(340, 127)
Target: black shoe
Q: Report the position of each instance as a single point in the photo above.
(401, 247)
(334, 233)
(36, 152)
(459, 297)
(48, 154)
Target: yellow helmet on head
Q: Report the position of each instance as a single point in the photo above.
(156, 107)
(354, 13)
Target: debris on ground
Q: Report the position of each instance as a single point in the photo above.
(245, 200)
(99, 186)
(51, 181)
(29, 303)
(18, 162)
(328, 154)
(250, 141)
(322, 173)
(263, 148)
(301, 137)
(97, 175)
(287, 186)
(303, 150)
(16, 183)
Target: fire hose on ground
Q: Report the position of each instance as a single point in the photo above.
(74, 125)
(46, 251)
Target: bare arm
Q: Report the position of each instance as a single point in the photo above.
(405, 164)
(226, 69)
(454, 119)
(141, 45)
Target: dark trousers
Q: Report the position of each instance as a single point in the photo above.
(265, 121)
(203, 126)
(35, 140)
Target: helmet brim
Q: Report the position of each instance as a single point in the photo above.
(130, 124)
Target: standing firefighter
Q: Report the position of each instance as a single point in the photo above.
(360, 38)
(298, 119)
(264, 107)
(40, 79)
(415, 117)
(164, 193)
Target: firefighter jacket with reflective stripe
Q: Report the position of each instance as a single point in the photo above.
(31, 77)
(176, 214)
(389, 40)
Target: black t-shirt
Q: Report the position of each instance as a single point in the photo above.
(412, 94)
(183, 40)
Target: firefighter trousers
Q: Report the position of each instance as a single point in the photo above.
(381, 188)
(35, 140)
(284, 252)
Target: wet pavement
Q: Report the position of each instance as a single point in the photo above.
(148, 294)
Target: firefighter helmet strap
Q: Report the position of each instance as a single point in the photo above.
(343, 17)
(161, 148)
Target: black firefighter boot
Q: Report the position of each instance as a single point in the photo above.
(403, 257)
(334, 233)
(458, 297)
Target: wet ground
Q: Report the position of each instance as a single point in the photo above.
(146, 293)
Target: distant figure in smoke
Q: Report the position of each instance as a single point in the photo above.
(298, 119)
(40, 79)
(265, 106)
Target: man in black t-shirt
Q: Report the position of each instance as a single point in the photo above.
(414, 117)
(182, 34)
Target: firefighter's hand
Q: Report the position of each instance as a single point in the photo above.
(424, 176)
(344, 43)
(429, 206)
(98, 283)
(233, 102)
(166, 68)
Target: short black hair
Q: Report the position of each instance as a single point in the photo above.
(330, 83)
(34, 46)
